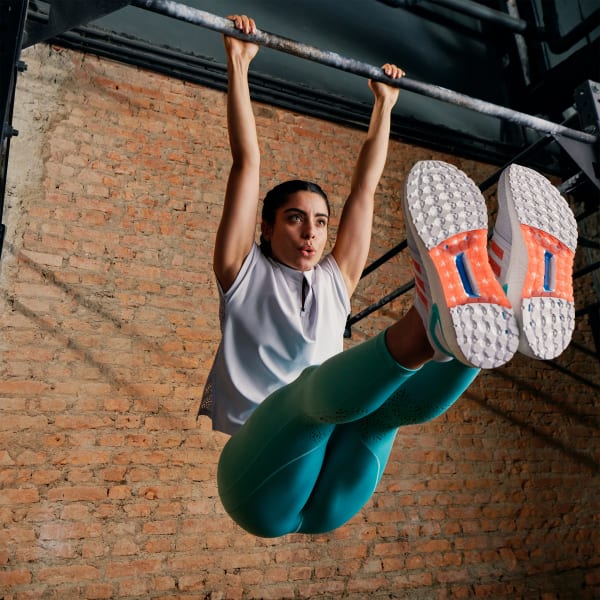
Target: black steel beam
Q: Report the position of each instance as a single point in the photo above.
(12, 21)
(549, 33)
(68, 14)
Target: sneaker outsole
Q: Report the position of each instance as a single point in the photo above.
(538, 278)
(446, 215)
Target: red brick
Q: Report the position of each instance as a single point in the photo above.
(160, 527)
(133, 568)
(12, 578)
(11, 497)
(78, 493)
(99, 591)
(66, 531)
(56, 575)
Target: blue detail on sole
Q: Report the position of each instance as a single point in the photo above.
(463, 271)
(548, 271)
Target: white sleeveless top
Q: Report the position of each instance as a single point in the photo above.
(268, 337)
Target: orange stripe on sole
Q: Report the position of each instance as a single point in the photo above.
(470, 248)
(539, 243)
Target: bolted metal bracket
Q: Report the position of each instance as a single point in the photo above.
(586, 156)
(587, 100)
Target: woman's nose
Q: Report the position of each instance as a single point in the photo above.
(308, 230)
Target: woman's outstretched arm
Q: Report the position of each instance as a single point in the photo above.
(354, 232)
(237, 227)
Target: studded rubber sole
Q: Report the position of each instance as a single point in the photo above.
(538, 275)
(446, 216)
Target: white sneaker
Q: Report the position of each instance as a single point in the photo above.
(464, 309)
(532, 251)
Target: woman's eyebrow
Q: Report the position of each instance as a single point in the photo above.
(303, 212)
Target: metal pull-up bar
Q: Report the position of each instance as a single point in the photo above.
(195, 16)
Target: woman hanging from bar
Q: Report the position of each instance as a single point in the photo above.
(312, 427)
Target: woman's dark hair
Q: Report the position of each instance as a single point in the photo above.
(278, 196)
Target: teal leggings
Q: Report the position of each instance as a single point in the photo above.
(312, 454)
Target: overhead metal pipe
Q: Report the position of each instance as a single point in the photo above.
(550, 33)
(195, 16)
(471, 9)
(479, 11)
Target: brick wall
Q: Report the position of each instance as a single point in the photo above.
(109, 323)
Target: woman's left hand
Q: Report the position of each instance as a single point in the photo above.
(381, 89)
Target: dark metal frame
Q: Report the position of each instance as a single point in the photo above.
(68, 14)
(550, 34)
(12, 23)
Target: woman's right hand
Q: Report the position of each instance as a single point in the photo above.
(383, 90)
(237, 47)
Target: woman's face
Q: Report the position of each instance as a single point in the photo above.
(299, 234)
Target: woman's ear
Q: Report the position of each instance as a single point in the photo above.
(266, 231)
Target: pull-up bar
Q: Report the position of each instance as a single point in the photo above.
(195, 16)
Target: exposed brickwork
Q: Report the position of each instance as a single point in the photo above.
(109, 323)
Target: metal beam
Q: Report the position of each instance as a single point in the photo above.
(561, 42)
(195, 16)
(549, 33)
(12, 22)
(67, 14)
(471, 9)
(585, 156)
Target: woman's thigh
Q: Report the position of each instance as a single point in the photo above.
(268, 469)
